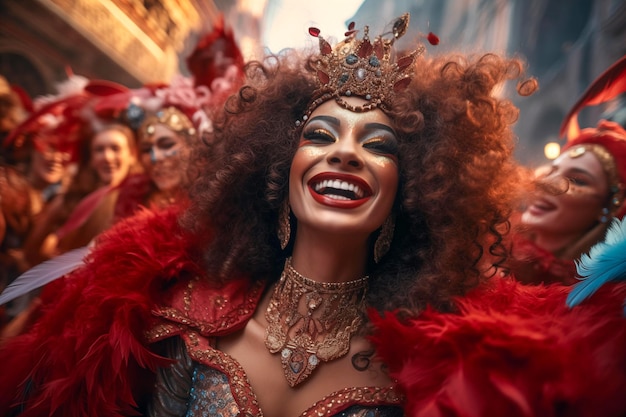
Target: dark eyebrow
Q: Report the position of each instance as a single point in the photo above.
(571, 169)
(373, 126)
(370, 126)
(329, 119)
(583, 172)
(580, 171)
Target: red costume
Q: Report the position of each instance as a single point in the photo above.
(512, 350)
(532, 264)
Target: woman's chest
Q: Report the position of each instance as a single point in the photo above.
(260, 378)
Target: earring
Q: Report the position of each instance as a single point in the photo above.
(605, 215)
(284, 226)
(383, 242)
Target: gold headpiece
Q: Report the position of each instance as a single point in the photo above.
(171, 117)
(362, 68)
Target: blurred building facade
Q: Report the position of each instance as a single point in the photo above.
(567, 43)
(131, 42)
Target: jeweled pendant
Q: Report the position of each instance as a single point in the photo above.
(298, 364)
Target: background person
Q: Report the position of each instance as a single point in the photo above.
(578, 195)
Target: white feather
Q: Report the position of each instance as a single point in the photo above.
(44, 273)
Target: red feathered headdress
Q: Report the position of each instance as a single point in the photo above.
(216, 65)
(215, 53)
(57, 123)
(607, 86)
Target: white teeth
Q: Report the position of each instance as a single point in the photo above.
(337, 197)
(339, 185)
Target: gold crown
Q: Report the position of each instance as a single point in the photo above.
(362, 68)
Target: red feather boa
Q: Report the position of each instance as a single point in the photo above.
(86, 355)
(513, 350)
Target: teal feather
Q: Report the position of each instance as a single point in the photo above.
(605, 262)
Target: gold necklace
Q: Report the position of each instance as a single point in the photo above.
(332, 314)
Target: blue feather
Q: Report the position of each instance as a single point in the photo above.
(44, 273)
(605, 262)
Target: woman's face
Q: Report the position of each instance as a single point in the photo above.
(344, 175)
(164, 156)
(111, 156)
(48, 164)
(572, 212)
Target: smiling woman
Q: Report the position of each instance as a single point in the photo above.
(341, 197)
(106, 159)
(165, 138)
(579, 195)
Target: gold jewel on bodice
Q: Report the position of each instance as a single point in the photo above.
(311, 322)
(362, 68)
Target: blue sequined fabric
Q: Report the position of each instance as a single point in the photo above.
(210, 394)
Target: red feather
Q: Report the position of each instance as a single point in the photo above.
(105, 87)
(88, 355)
(214, 54)
(69, 107)
(514, 351)
(607, 86)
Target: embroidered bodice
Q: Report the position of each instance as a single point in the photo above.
(204, 381)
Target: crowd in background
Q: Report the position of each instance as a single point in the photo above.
(74, 163)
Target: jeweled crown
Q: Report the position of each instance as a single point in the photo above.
(363, 68)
